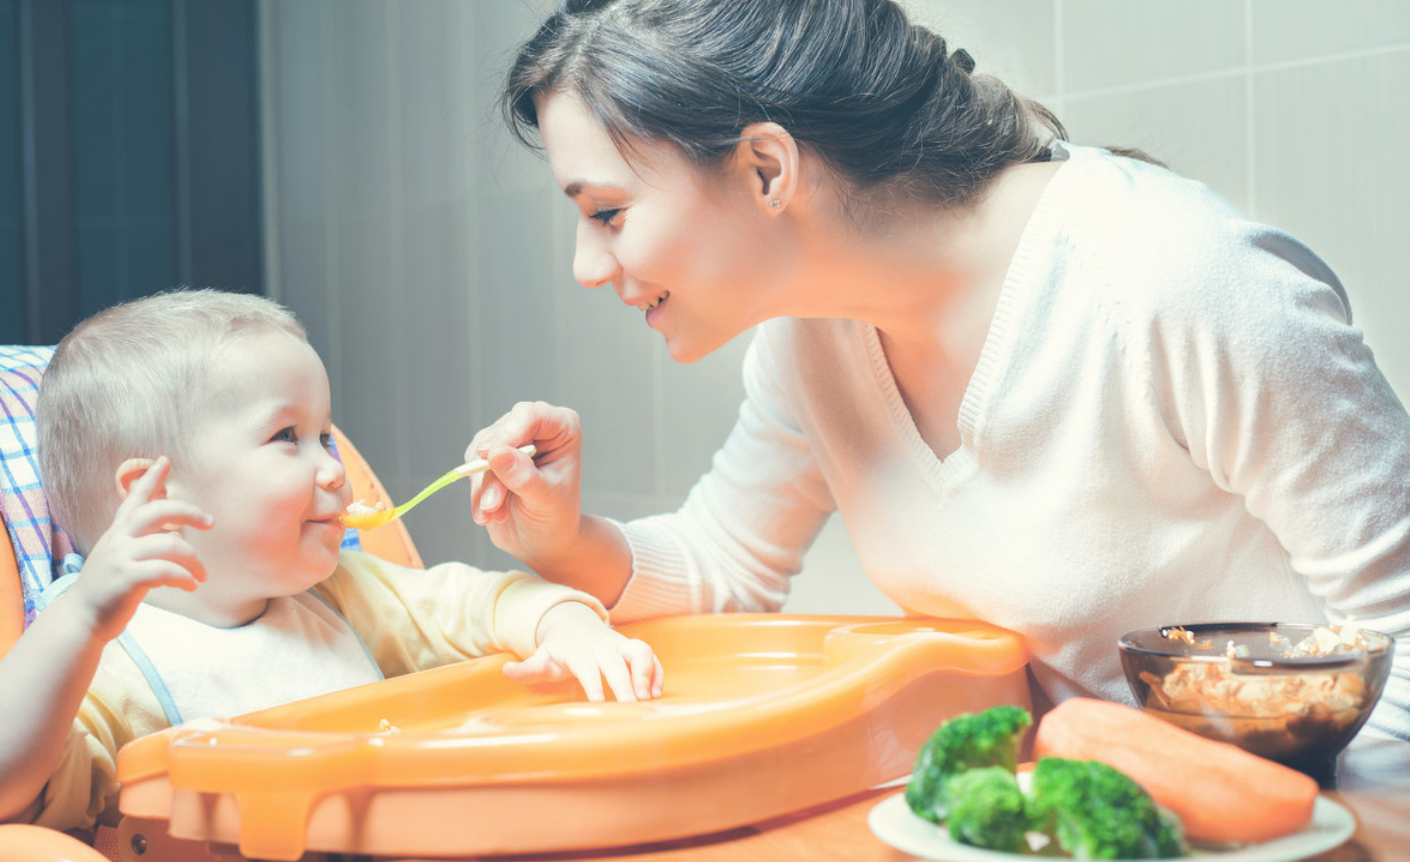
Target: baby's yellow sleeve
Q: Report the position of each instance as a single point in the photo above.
(413, 619)
(119, 707)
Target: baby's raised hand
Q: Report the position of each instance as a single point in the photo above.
(142, 549)
(574, 641)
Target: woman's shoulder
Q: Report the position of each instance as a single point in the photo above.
(1119, 202)
(1165, 242)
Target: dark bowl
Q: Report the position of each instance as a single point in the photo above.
(1241, 683)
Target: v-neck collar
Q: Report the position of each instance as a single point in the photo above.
(945, 473)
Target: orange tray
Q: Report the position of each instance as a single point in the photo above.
(762, 715)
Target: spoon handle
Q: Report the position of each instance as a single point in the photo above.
(480, 465)
(470, 468)
(376, 519)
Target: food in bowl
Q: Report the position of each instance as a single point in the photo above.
(1288, 692)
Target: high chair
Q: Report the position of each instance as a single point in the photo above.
(20, 371)
(763, 715)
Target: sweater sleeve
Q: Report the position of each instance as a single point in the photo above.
(1274, 392)
(413, 619)
(744, 527)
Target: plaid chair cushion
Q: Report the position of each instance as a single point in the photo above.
(38, 545)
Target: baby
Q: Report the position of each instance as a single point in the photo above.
(185, 446)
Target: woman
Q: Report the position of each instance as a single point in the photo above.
(1047, 386)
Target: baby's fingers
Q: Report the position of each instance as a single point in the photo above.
(590, 673)
(169, 548)
(647, 674)
(165, 515)
(170, 573)
(145, 487)
(539, 667)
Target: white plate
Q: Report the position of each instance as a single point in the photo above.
(894, 822)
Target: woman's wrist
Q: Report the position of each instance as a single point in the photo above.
(74, 626)
(596, 560)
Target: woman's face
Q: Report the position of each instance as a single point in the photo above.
(691, 251)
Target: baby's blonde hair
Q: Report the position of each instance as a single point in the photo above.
(126, 383)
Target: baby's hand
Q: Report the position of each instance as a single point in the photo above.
(143, 548)
(574, 641)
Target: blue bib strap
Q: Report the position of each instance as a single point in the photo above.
(73, 564)
(357, 634)
(154, 679)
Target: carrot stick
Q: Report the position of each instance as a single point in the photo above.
(1219, 791)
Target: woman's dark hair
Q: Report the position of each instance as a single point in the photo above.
(883, 102)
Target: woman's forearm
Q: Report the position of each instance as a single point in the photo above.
(597, 561)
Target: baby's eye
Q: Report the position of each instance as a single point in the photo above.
(327, 441)
(285, 435)
(606, 216)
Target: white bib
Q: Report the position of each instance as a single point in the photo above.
(299, 647)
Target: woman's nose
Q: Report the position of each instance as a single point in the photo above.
(593, 263)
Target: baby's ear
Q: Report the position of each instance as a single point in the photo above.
(130, 471)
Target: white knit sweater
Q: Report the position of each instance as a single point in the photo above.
(1172, 421)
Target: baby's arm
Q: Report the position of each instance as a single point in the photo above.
(574, 641)
(47, 673)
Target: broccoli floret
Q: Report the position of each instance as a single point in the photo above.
(965, 742)
(987, 810)
(1094, 811)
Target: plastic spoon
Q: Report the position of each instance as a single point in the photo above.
(366, 520)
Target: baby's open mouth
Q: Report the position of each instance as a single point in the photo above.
(647, 306)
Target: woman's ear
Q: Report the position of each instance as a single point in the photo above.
(130, 471)
(767, 157)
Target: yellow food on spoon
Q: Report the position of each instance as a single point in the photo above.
(363, 516)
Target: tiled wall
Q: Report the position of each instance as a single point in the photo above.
(431, 258)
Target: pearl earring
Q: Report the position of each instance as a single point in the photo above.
(775, 204)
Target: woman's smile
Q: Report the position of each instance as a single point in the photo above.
(650, 304)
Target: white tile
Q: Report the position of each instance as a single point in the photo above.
(1200, 130)
(441, 526)
(501, 26)
(359, 86)
(372, 329)
(1330, 171)
(1011, 39)
(303, 268)
(296, 57)
(435, 291)
(437, 116)
(1289, 31)
(515, 344)
(1113, 43)
(625, 506)
(497, 31)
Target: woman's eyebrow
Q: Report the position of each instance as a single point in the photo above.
(577, 187)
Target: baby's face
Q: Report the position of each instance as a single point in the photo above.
(259, 463)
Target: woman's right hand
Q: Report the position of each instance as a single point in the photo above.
(531, 506)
